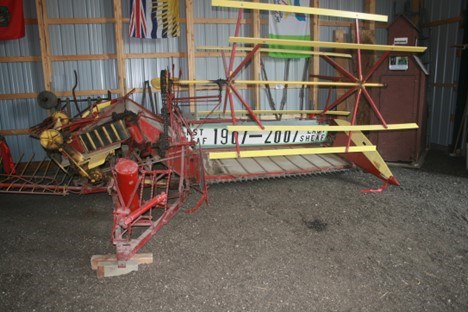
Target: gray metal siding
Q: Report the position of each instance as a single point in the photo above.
(101, 74)
(444, 68)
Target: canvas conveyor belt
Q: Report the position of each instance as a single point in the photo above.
(247, 169)
(48, 179)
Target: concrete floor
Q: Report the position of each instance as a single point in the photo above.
(302, 244)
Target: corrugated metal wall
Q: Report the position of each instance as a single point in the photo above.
(21, 77)
(444, 66)
(101, 74)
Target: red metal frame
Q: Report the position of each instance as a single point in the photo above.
(162, 165)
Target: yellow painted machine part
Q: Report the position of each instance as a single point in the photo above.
(60, 120)
(284, 82)
(298, 9)
(241, 49)
(279, 112)
(51, 139)
(327, 44)
(309, 83)
(359, 139)
(338, 128)
(290, 152)
(96, 108)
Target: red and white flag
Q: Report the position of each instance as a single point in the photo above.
(154, 19)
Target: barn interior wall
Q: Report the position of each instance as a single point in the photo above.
(443, 61)
(99, 71)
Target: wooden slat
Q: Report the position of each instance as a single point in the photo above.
(154, 55)
(14, 132)
(85, 92)
(289, 83)
(142, 258)
(267, 50)
(15, 96)
(268, 164)
(32, 95)
(299, 9)
(332, 159)
(251, 166)
(232, 166)
(455, 19)
(292, 151)
(326, 44)
(309, 83)
(318, 160)
(217, 54)
(11, 59)
(299, 162)
(403, 126)
(83, 57)
(283, 163)
(72, 21)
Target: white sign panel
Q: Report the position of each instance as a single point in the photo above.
(400, 41)
(217, 135)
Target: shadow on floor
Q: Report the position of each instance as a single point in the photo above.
(441, 162)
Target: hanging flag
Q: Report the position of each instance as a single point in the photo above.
(154, 19)
(11, 19)
(285, 25)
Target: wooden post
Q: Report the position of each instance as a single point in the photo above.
(43, 26)
(365, 113)
(256, 59)
(416, 9)
(315, 70)
(369, 7)
(346, 105)
(190, 49)
(119, 47)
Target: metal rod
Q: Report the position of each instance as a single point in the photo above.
(353, 120)
(374, 107)
(340, 68)
(339, 100)
(376, 65)
(247, 107)
(244, 62)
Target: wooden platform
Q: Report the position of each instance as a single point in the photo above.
(107, 265)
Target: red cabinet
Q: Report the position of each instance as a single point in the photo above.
(403, 98)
